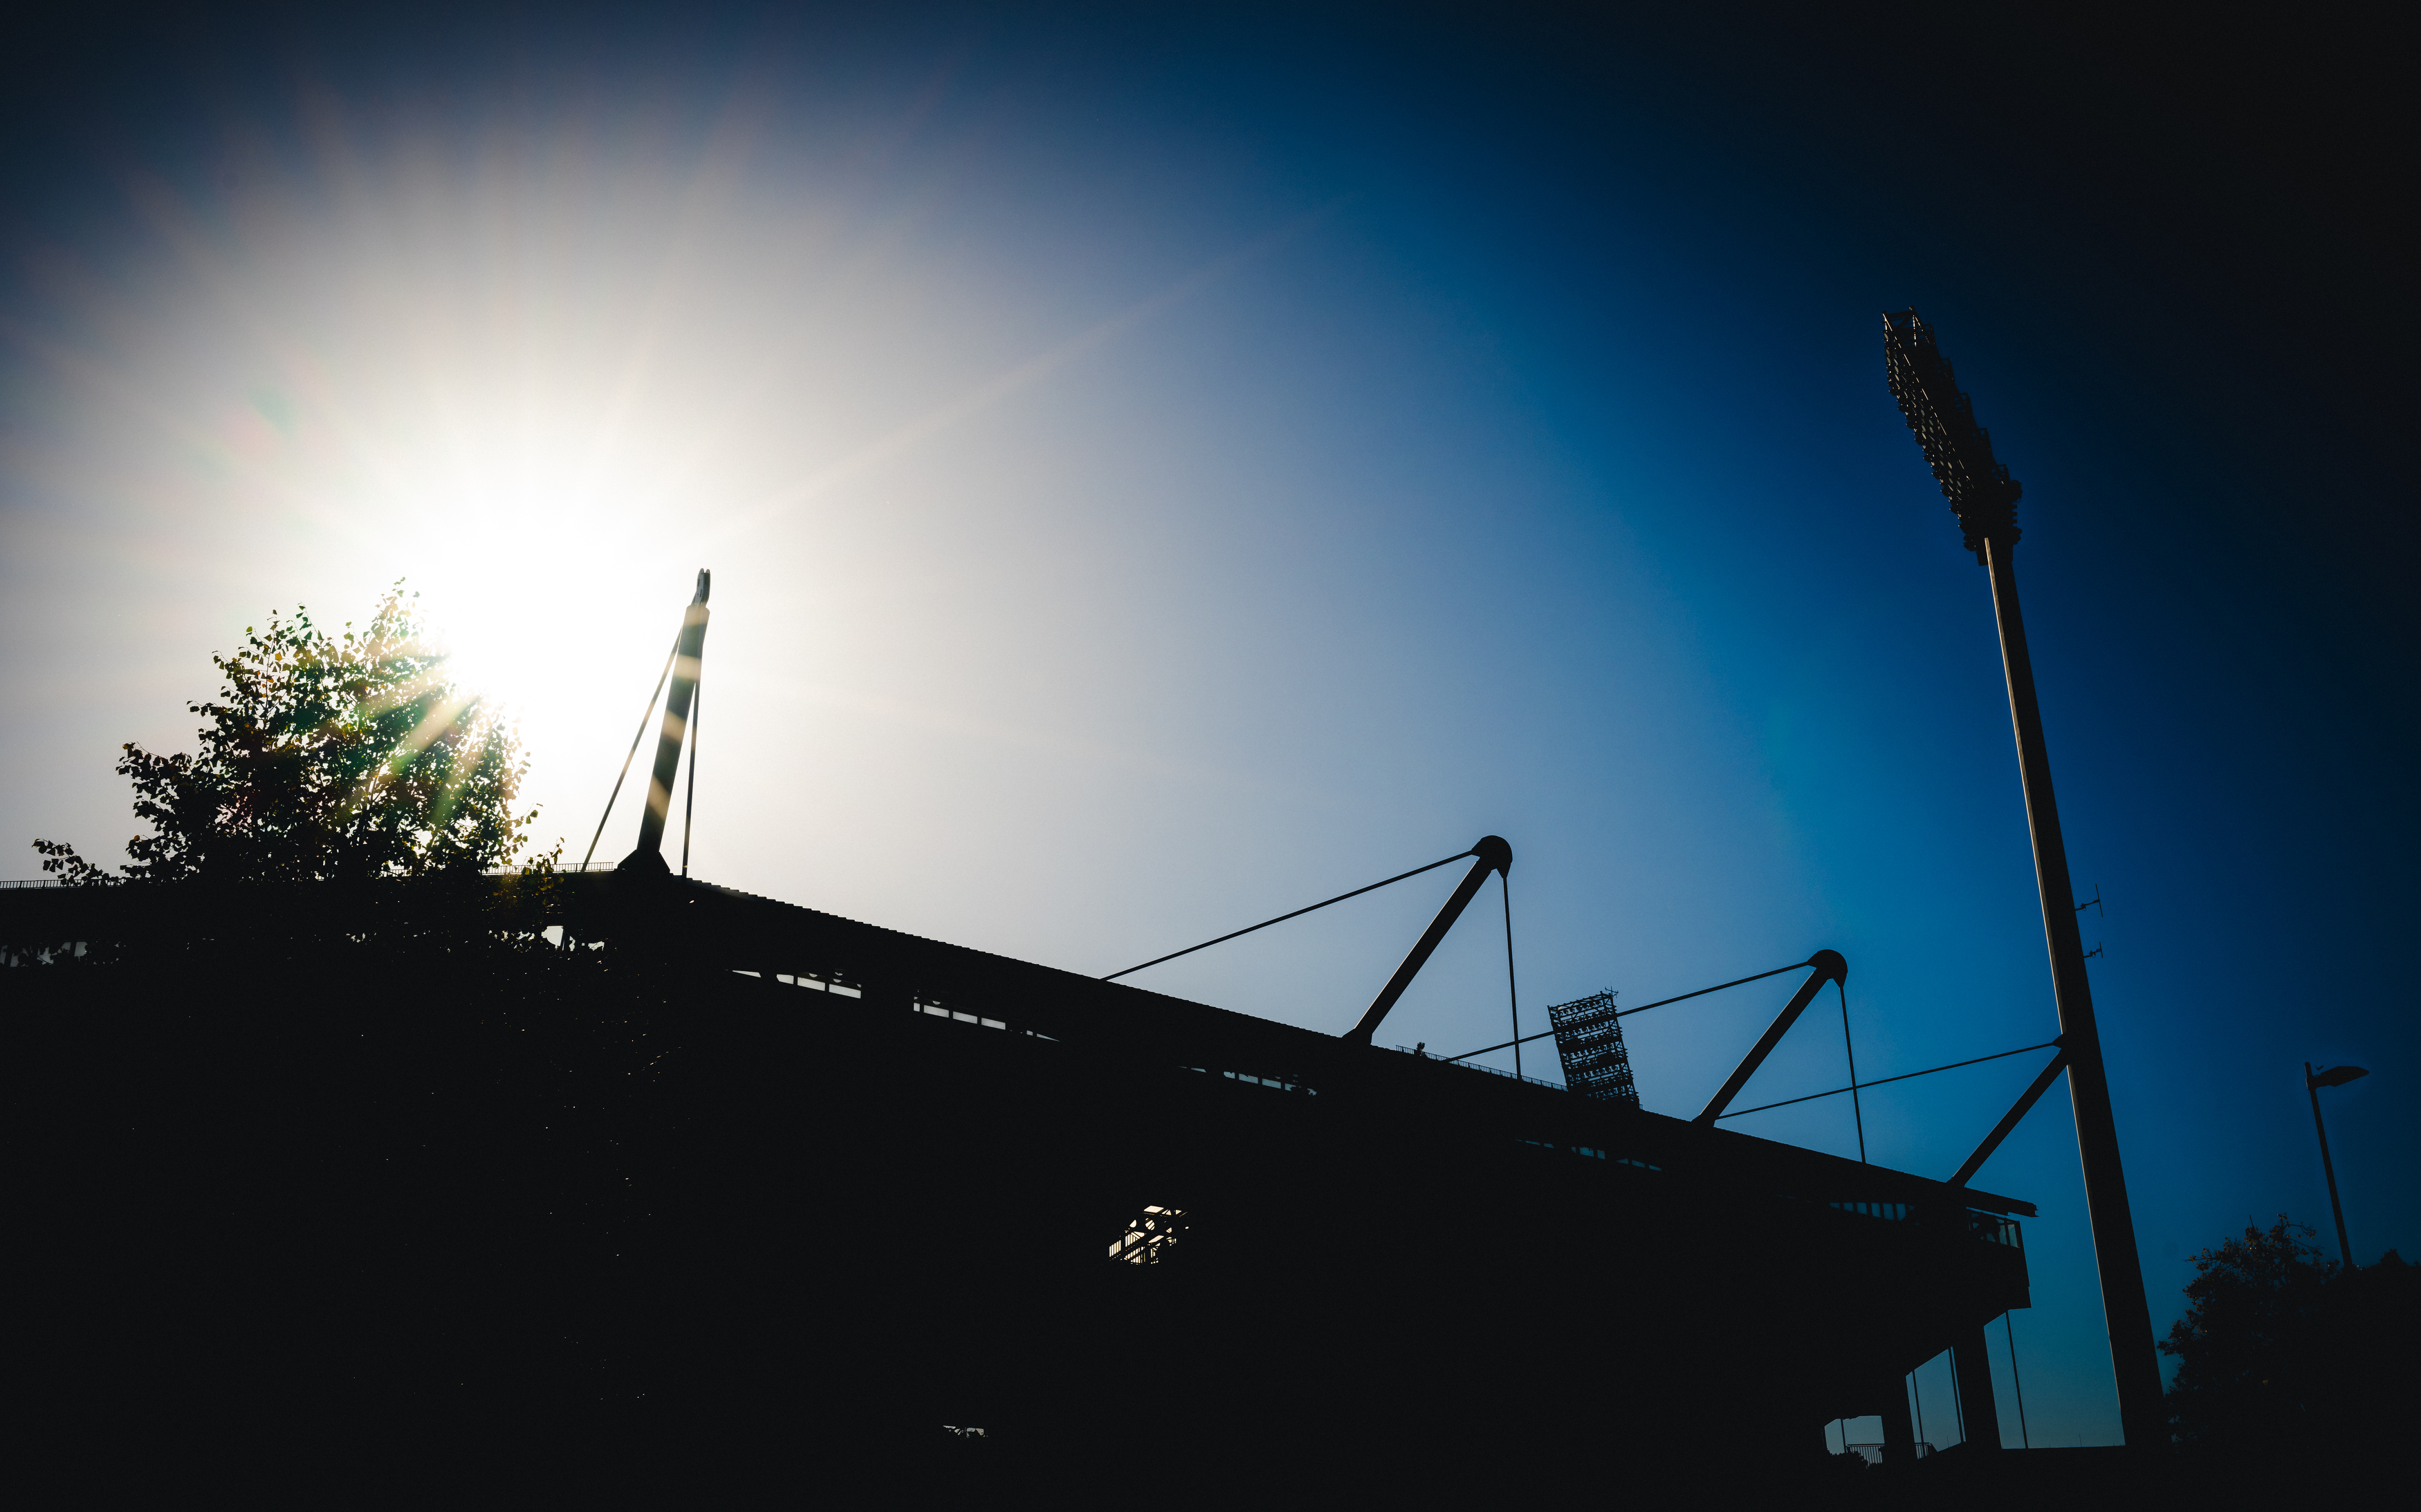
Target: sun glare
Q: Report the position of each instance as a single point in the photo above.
(530, 585)
(542, 374)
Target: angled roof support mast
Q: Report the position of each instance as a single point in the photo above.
(1493, 855)
(2009, 1120)
(687, 655)
(1985, 498)
(1829, 966)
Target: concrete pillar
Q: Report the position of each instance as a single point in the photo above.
(1899, 1428)
(1974, 1368)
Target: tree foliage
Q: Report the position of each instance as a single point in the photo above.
(327, 756)
(2282, 1347)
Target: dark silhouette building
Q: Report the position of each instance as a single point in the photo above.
(720, 1159)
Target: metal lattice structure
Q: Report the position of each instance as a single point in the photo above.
(1588, 1037)
(1981, 491)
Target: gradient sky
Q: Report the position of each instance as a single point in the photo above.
(1163, 466)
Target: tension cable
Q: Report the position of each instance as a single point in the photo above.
(1842, 986)
(1266, 923)
(1624, 1013)
(1811, 1096)
(644, 716)
(1513, 993)
(689, 804)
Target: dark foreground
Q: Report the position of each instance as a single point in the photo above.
(443, 1205)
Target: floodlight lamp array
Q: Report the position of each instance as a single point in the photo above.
(1588, 1039)
(1981, 491)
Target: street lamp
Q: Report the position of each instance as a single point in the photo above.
(2313, 1081)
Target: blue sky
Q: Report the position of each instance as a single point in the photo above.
(1162, 469)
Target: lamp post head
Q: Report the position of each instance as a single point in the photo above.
(2333, 1076)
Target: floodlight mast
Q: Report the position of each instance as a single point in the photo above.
(1985, 497)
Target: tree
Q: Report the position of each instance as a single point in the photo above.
(2284, 1348)
(326, 758)
(2239, 1348)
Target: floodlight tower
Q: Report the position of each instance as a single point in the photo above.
(1985, 498)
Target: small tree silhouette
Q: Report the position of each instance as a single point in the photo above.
(326, 758)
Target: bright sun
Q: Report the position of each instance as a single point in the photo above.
(532, 573)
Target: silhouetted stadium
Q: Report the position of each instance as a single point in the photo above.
(717, 1158)
(624, 1150)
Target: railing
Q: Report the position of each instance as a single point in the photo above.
(1473, 1066)
(1895, 1211)
(1873, 1452)
(827, 984)
(1276, 1083)
(1996, 1227)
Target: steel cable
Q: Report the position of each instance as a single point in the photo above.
(644, 716)
(1283, 917)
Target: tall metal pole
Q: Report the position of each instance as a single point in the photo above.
(2328, 1168)
(1984, 497)
(2126, 1311)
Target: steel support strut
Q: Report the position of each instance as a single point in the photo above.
(650, 853)
(1980, 1414)
(1830, 967)
(1495, 855)
(1899, 1427)
(2125, 1310)
(2009, 1120)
